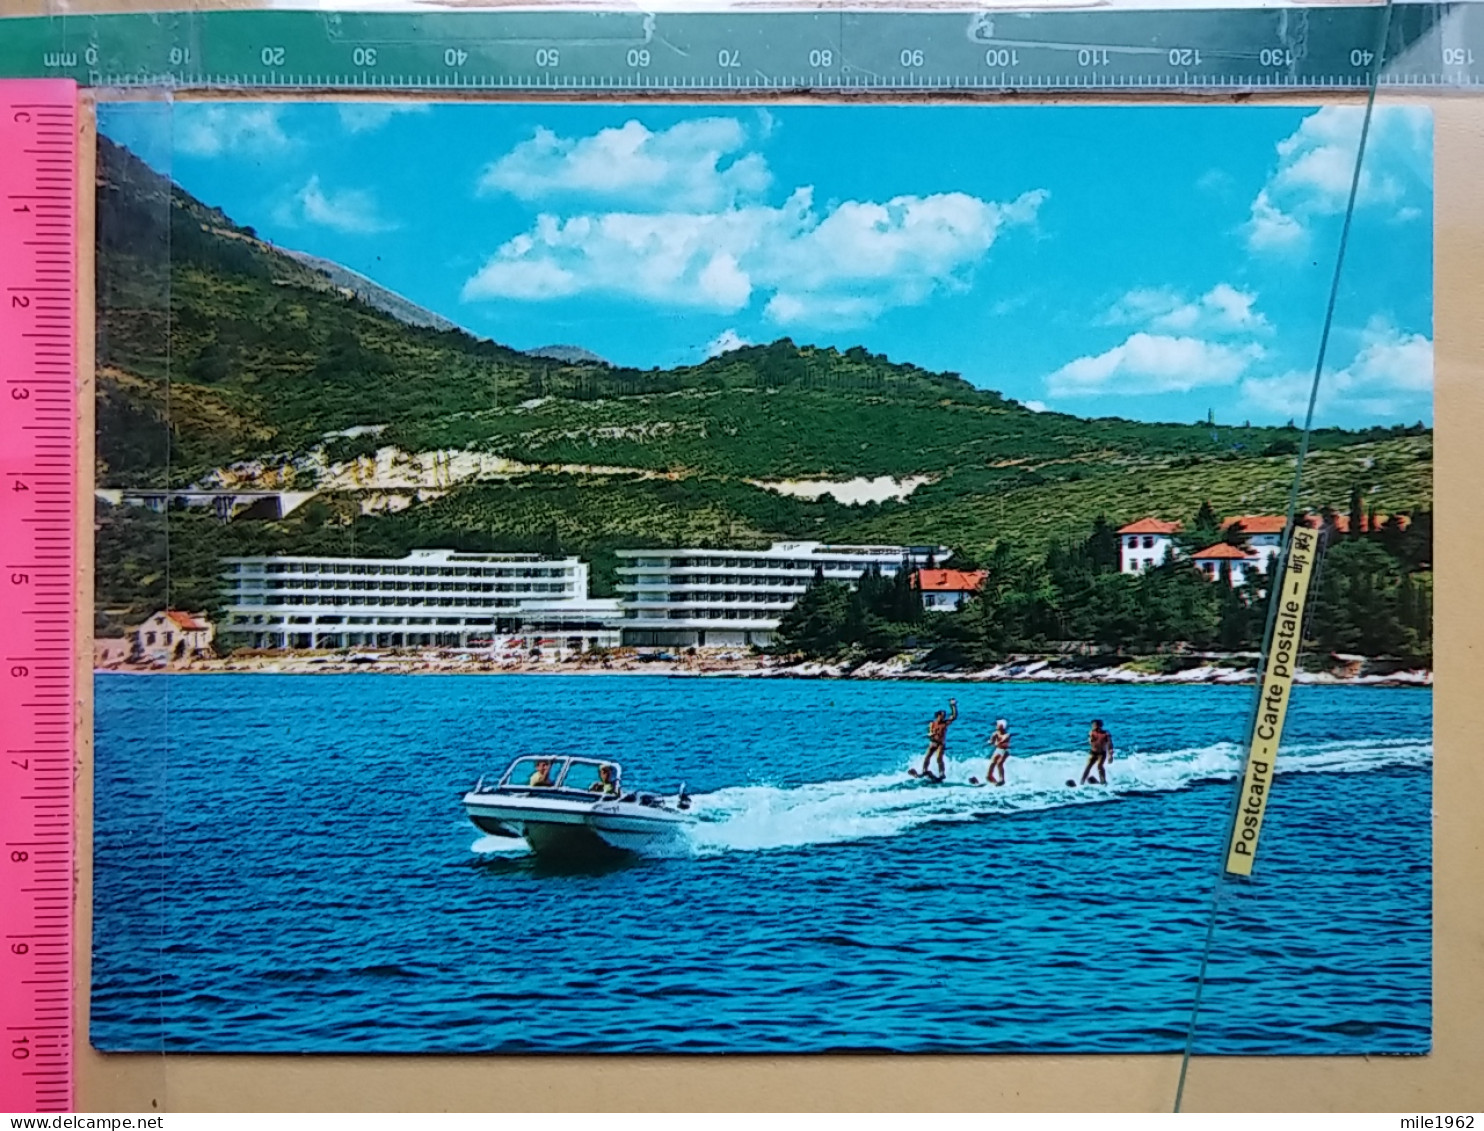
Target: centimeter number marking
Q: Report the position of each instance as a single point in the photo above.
(1313, 48)
(38, 450)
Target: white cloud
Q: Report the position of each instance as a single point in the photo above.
(1036, 406)
(811, 309)
(350, 210)
(1390, 376)
(840, 267)
(209, 130)
(1154, 363)
(1227, 308)
(1316, 165)
(695, 165)
(364, 117)
(725, 342)
(1222, 310)
(1140, 305)
(1271, 229)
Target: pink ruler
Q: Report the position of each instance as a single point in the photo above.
(38, 601)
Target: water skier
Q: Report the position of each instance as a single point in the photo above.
(999, 741)
(1099, 751)
(938, 739)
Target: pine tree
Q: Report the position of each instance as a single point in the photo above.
(815, 625)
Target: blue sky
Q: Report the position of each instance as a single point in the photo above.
(1148, 262)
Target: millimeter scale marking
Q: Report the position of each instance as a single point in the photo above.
(1429, 46)
(38, 484)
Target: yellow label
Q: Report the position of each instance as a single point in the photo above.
(1277, 684)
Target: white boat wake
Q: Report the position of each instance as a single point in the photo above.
(761, 817)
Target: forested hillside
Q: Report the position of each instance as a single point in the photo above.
(220, 354)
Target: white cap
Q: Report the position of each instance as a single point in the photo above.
(1002, 724)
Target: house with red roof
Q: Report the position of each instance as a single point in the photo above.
(1261, 533)
(1145, 544)
(1239, 563)
(945, 590)
(1150, 542)
(173, 636)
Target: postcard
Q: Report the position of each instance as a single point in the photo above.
(667, 578)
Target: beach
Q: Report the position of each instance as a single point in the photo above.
(1212, 668)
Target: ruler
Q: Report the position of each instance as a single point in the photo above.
(38, 452)
(1245, 49)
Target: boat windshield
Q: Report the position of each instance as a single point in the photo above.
(581, 775)
(538, 771)
(598, 778)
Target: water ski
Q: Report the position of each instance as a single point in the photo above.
(928, 776)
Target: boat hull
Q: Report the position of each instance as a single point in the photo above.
(553, 827)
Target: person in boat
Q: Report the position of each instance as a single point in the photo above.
(938, 737)
(1099, 751)
(607, 783)
(999, 743)
(542, 776)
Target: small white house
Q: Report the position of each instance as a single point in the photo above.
(945, 590)
(1145, 544)
(171, 636)
(1263, 534)
(1241, 562)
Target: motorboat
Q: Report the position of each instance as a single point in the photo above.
(564, 806)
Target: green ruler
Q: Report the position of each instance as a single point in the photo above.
(1300, 49)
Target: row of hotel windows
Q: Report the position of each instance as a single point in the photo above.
(853, 567)
(278, 622)
(311, 599)
(1135, 565)
(714, 579)
(710, 599)
(415, 586)
(700, 614)
(401, 570)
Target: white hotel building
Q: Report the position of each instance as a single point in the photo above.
(437, 598)
(735, 598)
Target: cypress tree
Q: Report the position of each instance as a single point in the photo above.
(907, 598)
(1102, 546)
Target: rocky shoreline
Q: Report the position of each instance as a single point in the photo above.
(1342, 671)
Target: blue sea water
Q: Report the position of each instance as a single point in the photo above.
(282, 865)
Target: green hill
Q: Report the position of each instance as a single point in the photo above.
(215, 348)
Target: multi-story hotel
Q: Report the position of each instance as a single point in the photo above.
(735, 598)
(431, 597)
